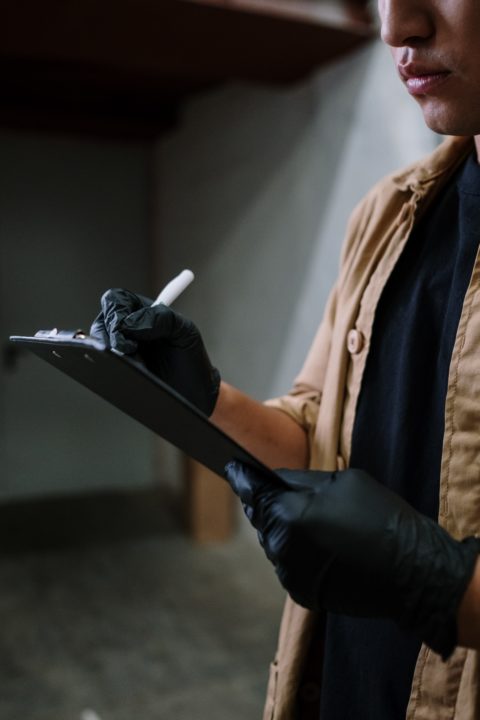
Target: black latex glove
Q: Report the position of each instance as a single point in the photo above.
(169, 344)
(343, 542)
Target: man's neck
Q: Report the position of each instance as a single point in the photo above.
(477, 145)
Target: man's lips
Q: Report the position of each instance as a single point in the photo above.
(422, 80)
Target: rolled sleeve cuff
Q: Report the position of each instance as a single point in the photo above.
(302, 405)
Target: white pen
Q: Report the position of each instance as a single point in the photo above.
(174, 288)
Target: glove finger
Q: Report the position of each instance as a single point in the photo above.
(122, 301)
(261, 538)
(150, 323)
(113, 339)
(248, 483)
(256, 490)
(261, 535)
(248, 510)
(117, 304)
(161, 323)
(98, 330)
(305, 480)
(269, 549)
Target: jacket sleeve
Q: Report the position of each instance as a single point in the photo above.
(302, 403)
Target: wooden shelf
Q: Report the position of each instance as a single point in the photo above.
(128, 63)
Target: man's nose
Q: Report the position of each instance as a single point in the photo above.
(406, 22)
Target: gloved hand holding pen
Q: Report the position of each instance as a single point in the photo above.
(168, 343)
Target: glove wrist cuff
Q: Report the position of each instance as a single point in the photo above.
(441, 628)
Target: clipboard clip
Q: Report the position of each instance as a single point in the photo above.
(62, 334)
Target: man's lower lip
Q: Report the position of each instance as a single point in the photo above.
(425, 84)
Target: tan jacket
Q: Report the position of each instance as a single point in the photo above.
(324, 400)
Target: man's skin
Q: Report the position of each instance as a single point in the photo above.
(436, 49)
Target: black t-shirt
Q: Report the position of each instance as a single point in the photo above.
(398, 432)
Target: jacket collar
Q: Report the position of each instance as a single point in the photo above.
(417, 177)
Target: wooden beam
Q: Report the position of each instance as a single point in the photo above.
(209, 504)
(134, 61)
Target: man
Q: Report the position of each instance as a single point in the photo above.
(388, 599)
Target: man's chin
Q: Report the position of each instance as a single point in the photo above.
(445, 122)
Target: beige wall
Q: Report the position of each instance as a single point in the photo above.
(73, 221)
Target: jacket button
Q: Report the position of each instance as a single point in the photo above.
(355, 341)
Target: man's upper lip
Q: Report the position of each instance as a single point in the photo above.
(413, 70)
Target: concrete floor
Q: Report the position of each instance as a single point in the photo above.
(113, 614)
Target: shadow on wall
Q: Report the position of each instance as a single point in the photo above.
(69, 209)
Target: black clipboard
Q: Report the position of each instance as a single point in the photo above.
(128, 385)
